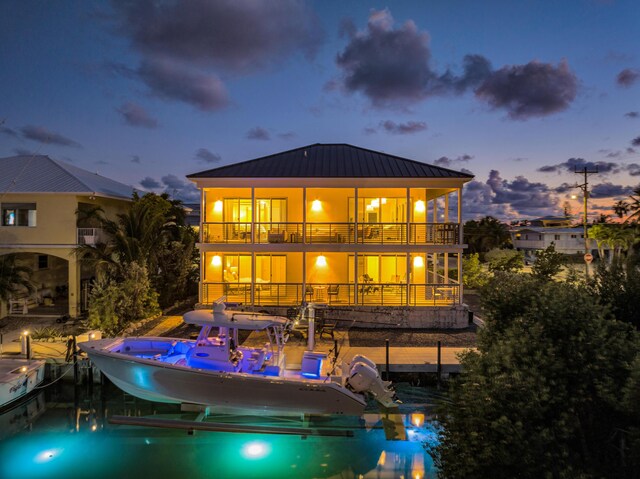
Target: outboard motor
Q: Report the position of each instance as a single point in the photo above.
(364, 377)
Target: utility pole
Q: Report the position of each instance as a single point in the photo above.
(585, 195)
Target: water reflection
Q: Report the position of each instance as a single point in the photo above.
(68, 435)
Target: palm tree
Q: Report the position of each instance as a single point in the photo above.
(13, 277)
(631, 206)
(601, 233)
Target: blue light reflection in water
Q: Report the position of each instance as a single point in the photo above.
(70, 439)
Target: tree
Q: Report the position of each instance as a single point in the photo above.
(473, 275)
(629, 207)
(548, 262)
(14, 277)
(505, 260)
(618, 287)
(544, 395)
(486, 234)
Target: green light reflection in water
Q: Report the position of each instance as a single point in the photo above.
(55, 447)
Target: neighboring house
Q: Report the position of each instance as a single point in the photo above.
(542, 232)
(334, 224)
(39, 198)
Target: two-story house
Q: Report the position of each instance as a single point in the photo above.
(39, 201)
(334, 224)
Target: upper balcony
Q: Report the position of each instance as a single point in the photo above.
(375, 216)
(332, 233)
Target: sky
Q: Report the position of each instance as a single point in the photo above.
(518, 93)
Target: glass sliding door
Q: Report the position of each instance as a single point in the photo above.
(237, 219)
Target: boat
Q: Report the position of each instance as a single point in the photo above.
(215, 371)
(18, 377)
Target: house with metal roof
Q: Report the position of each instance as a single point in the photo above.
(335, 224)
(39, 201)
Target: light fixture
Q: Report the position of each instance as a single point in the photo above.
(25, 333)
(217, 206)
(369, 207)
(375, 203)
(255, 450)
(216, 261)
(321, 261)
(418, 262)
(419, 206)
(384, 201)
(316, 205)
(417, 419)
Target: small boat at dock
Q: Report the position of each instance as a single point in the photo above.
(215, 371)
(18, 377)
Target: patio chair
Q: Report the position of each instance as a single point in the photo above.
(326, 327)
(333, 291)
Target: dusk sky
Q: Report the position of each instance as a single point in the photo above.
(518, 93)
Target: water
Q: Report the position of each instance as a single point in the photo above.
(62, 433)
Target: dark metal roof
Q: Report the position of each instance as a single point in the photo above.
(330, 161)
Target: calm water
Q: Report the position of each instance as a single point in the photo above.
(62, 433)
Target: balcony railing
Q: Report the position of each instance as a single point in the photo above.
(328, 233)
(90, 236)
(337, 294)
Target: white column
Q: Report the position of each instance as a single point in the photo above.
(74, 285)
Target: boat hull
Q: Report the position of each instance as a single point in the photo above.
(15, 383)
(223, 391)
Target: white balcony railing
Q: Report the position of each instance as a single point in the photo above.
(90, 236)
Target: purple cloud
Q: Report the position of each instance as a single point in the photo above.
(9, 132)
(288, 135)
(135, 159)
(391, 66)
(150, 183)
(258, 133)
(205, 156)
(187, 192)
(636, 141)
(447, 162)
(534, 89)
(608, 190)
(577, 164)
(632, 114)
(627, 77)
(633, 169)
(42, 135)
(134, 115)
(236, 35)
(174, 81)
(407, 128)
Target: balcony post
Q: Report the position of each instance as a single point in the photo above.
(304, 224)
(409, 210)
(253, 219)
(446, 208)
(355, 226)
(356, 275)
(408, 277)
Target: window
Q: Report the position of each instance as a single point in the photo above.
(556, 237)
(43, 261)
(574, 236)
(18, 214)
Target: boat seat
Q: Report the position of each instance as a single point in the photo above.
(211, 357)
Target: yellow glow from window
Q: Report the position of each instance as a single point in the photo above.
(217, 206)
(321, 261)
(216, 261)
(316, 205)
(419, 206)
(384, 201)
(375, 203)
(418, 262)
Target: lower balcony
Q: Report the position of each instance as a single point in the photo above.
(337, 294)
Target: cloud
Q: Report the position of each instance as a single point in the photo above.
(42, 135)
(24, 152)
(577, 164)
(534, 89)
(149, 183)
(205, 156)
(235, 35)
(447, 162)
(135, 159)
(608, 190)
(288, 135)
(628, 77)
(9, 131)
(258, 133)
(173, 81)
(187, 192)
(633, 169)
(509, 199)
(636, 141)
(632, 114)
(134, 115)
(407, 128)
(391, 66)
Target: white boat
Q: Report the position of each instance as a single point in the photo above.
(214, 371)
(18, 377)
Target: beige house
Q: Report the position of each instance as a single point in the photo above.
(39, 198)
(333, 224)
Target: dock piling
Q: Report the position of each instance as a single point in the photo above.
(386, 347)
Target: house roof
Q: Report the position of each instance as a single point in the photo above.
(552, 230)
(41, 174)
(330, 161)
